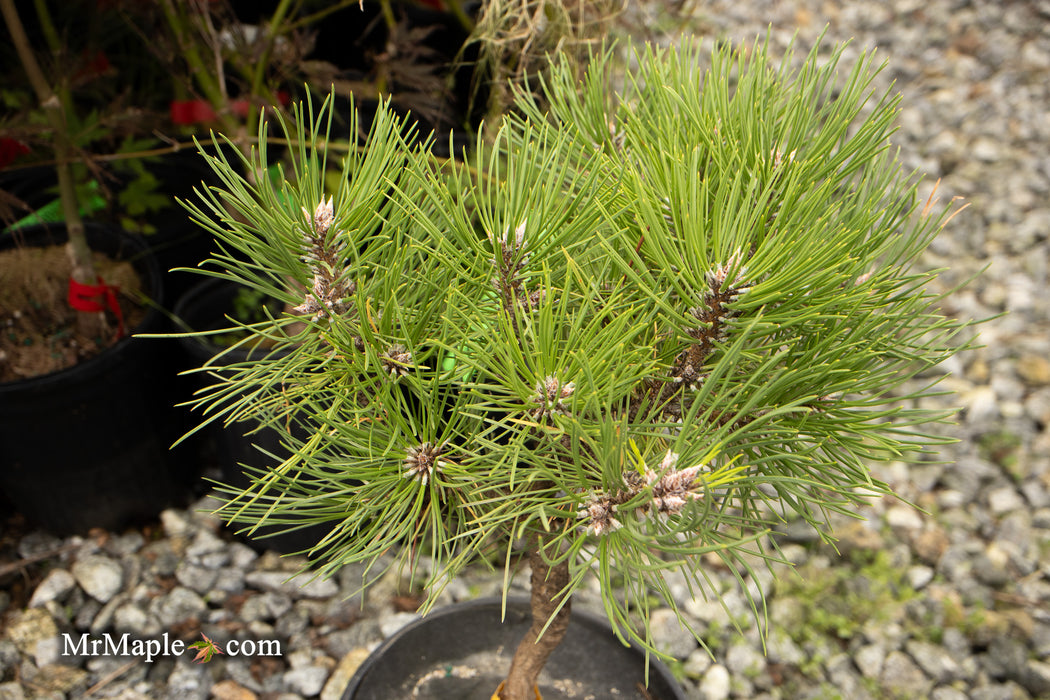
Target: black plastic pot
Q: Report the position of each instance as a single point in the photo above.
(88, 446)
(204, 308)
(463, 652)
(176, 241)
(31, 188)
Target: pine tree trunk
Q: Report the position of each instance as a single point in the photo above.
(534, 650)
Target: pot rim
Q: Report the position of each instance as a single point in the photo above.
(594, 623)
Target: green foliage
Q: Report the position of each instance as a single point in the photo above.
(1003, 448)
(838, 601)
(970, 620)
(643, 326)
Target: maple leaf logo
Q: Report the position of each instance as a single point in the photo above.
(205, 649)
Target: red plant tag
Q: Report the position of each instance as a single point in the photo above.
(96, 297)
(10, 150)
(92, 65)
(187, 112)
(191, 112)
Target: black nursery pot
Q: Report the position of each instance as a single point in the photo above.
(463, 652)
(87, 446)
(177, 242)
(203, 308)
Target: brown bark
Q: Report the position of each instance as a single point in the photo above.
(532, 653)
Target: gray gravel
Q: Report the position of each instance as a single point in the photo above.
(950, 603)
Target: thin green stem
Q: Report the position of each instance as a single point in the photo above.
(204, 76)
(258, 75)
(388, 14)
(55, 110)
(48, 27)
(312, 19)
(465, 20)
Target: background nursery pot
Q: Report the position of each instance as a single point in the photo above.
(206, 307)
(462, 652)
(87, 446)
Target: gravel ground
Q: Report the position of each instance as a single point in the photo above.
(950, 603)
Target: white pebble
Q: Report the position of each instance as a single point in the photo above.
(716, 683)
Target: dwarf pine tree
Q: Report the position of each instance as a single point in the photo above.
(641, 326)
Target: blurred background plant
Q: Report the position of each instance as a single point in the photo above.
(112, 100)
(139, 79)
(515, 39)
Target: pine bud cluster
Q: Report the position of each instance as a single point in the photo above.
(330, 291)
(669, 491)
(397, 360)
(712, 315)
(509, 262)
(550, 396)
(423, 461)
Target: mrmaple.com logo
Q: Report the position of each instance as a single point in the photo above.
(149, 649)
